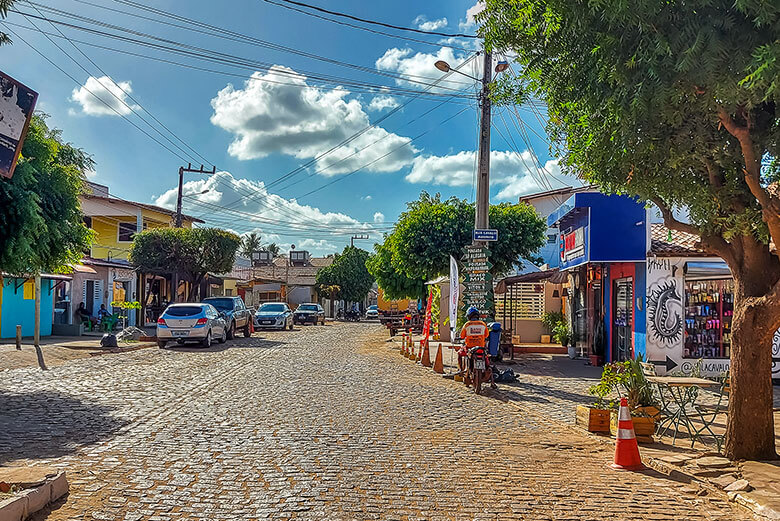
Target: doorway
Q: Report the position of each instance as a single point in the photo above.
(623, 319)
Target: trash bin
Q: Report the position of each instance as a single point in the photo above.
(494, 339)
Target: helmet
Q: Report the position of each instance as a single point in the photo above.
(471, 312)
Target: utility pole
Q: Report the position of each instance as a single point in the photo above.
(181, 186)
(482, 221)
(358, 237)
(37, 330)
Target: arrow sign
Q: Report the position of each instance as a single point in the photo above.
(669, 363)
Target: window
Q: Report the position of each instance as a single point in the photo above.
(229, 292)
(127, 231)
(524, 301)
(87, 221)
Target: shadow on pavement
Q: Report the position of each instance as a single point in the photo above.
(530, 392)
(48, 424)
(239, 343)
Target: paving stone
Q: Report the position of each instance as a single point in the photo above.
(713, 462)
(741, 485)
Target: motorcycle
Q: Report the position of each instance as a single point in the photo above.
(478, 370)
(352, 315)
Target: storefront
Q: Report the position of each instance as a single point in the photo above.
(690, 305)
(603, 245)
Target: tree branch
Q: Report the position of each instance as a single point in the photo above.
(671, 222)
(714, 173)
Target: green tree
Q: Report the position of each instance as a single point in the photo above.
(250, 243)
(273, 248)
(349, 273)
(41, 224)
(431, 230)
(188, 252)
(675, 102)
(395, 284)
(5, 5)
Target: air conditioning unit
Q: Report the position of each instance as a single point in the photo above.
(299, 257)
(261, 258)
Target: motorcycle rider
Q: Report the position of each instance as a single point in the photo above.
(474, 333)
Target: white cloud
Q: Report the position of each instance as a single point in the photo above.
(104, 97)
(429, 25)
(379, 217)
(420, 66)
(382, 102)
(304, 121)
(508, 170)
(471, 12)
(366, 197)
(268, 214)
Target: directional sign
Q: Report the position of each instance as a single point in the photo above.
(485, 235)
(669, 363)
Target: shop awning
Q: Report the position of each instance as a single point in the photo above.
(553, 276)
(707, 270)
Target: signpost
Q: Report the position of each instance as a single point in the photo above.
(17, 104)
(485, 235)
(478, 282)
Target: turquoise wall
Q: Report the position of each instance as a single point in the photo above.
(18, 310)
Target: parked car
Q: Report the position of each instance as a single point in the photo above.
(309, 313)
(200, 323)
(372, 312)
(237, 315)
(274, 315)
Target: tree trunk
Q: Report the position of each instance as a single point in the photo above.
(750, 433)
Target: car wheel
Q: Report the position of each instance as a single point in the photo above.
(291, 325)
(206, 341)
(161, 344)
(223, 338)
(231, 331)
(247, 330)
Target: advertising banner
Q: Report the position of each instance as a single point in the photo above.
(17, 104)
(454, 294)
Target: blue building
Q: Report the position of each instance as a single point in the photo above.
(602, 244)
(17, 304)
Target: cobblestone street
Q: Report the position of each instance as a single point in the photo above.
(318, 423)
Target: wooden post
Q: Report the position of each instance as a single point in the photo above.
(18, 337)
(37, 331)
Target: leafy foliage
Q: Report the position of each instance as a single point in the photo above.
(4, 6)
(250, 243)
(627, 380)
(432, 229)
(190, 252)
(349, 273)
(41, 224)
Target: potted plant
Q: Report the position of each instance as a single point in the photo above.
(632, 384)
(595, 417)
(549, 320)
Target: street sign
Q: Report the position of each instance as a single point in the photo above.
(478, 282)
(485, 235)
(17, 103)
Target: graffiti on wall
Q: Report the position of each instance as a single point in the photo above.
(664, 312)
(776, 355)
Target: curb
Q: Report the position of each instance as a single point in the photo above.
(32, 500)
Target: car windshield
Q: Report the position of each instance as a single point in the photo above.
(307, 307)
(372, 308)
(222, 304)
(183, 311)
(278, 308)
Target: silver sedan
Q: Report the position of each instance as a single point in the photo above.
(194, 322)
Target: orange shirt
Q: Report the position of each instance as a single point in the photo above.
(474, 333)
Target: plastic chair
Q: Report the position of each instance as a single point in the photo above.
(87, 324)
(109, 322)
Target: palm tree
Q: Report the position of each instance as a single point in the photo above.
(5, 5)
(273, 248)
(249, 244)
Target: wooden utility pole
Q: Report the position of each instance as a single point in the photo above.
(481, 220)
(181, 186)
(37, 330)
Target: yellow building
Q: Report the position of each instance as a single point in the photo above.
(106, 275)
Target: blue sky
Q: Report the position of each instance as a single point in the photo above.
(277, 112)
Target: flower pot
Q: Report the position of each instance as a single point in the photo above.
(596, 360)
(545, 339)
(592, 419)
(644, 426)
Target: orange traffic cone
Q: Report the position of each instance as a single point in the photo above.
(412, 356)
(438, 365)
(425, 359)
(626, 448)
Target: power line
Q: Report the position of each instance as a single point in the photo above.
(367, 29)
(383, 24)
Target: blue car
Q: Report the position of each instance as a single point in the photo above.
(274, 315)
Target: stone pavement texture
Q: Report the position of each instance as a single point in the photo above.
(319, 423)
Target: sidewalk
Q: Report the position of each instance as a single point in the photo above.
(57, 351)
(553, 385)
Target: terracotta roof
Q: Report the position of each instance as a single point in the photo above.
(673, 243)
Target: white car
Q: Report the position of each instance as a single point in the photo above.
(196, 322)
(372, 312)
(274, 315)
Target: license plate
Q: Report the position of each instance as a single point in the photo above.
(479, 364)
(179, 334)
(269, 322)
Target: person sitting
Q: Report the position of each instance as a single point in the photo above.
(102, 313)
(82, 313)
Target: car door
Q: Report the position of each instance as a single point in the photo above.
(239, 312)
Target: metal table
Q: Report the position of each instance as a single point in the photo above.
(677, 394)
